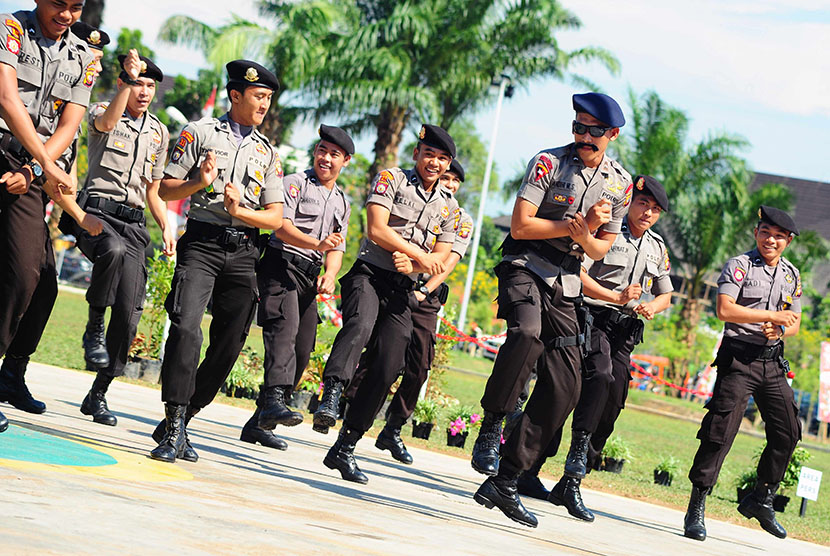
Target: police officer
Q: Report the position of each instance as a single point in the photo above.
(431, 295)
(53, 72)
(637, 263)
(407, 211)
(233, 177)
(315, 220)
(759, 300)
(127, 151)
(571, 204)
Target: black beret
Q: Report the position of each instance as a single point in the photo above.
(437, 137)
(600, 106)
(93, 37)
(246, 72)
(777, 217)
(456, 168)
(148, 68)
(651, 186)
(337, 136)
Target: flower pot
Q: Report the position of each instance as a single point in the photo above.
(313, 403)
(457, 440)
(662, 478)
(779, 503)
(300, 398)
(613, 465)
(421, 430)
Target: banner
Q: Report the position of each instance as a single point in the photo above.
(824, 384)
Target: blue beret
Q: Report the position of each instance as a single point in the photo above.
(600, 106)
(777, 217)
(246, 72)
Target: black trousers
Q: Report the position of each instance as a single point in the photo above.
(373, 299)
(738, 378)
(27, 267)
(535, 315)
(204, 269)
(418, 360)
(119, 280)
(288, 316)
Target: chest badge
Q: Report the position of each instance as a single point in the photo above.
(258, 176)
(445, 211)
(788, 278)
(257, 189)
(119, 144)
(260, 148)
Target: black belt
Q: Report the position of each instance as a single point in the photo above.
(754, 351)
(304, 265)
(396, 279)
(118, 210)
(611, 320)
(569, 262)
(227, 237)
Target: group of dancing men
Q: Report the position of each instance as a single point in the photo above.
(581, 270)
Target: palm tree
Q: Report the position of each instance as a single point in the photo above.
(436, 59)
(292, 44)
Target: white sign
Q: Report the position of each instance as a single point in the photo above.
(808, 482)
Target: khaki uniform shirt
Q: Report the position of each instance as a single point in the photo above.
(421, 217)
(128, 158)
(45, 83)
(254, 167)
(631, 260)
(315, 211)
(463, 226)
(748, 280)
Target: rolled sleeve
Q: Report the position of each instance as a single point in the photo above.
(185, 153)
(731, 278)
(292, 186)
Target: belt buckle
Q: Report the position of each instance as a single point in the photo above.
(229, 240)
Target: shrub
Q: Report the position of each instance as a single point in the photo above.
(159, 280)
(426, 411)
(616, 448)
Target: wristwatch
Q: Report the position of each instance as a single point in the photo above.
(37, 171)
(424, 290)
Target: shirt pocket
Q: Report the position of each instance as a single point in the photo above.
(59, 96)
(557, 203)
(432, 233)
(754, 294)
(651, 271)
(402, 219)
(255, 181)
(613, 267)
(117, 155)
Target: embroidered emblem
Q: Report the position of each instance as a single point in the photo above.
(293, 190)
(277, 165)
(13, 45)
(445, 211)
(640, 183)
(422, 133)
(628, 192)
(383, 183)
(466, 228)
(252, 75)
(94, 37)
(543, 167)
(739, 274)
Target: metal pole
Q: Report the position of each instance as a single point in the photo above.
(468, 285)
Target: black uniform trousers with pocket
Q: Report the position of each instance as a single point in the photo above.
(119, 280)
(536, 314)
(740, 376)
(28, 281)
(379, 300)
(288, 316)
(205, 269)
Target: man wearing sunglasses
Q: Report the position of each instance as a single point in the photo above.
(571, 204)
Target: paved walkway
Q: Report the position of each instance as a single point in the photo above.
(73, 487)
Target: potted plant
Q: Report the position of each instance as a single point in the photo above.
(666, 470)
(423, 419)
(745, 483)
(301, 397)
(615, 454)
(461, 420)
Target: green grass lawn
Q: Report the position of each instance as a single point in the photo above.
(651, 436)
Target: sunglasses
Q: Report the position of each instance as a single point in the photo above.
(595, 130)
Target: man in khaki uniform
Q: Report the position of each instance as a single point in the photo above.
(52, 72)
(233, 177)
(407, 211)
(127, 151)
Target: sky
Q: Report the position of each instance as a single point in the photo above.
(758, 68)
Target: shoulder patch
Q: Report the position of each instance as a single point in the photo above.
(667, 262)
(89, 75)
(184, 140)
(628, 192)
(15, 29)
(739, 274)
(543, 167)
(384, 182)
(277, 165)
(13, 44)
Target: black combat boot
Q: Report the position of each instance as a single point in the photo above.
(326, 414)
(693, 525)
(95, 402)
(500, 491)
(566, 493)
(174, 439)
(758, 504)
(486, 449)
(13, 385)
(95, 342)
(273, 410)
(253, 433)
(187, 453)
(390, 439)
(577, 460)
(4, 423)
(341, 456)
(529, 484)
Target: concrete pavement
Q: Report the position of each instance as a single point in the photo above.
(71, 486)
